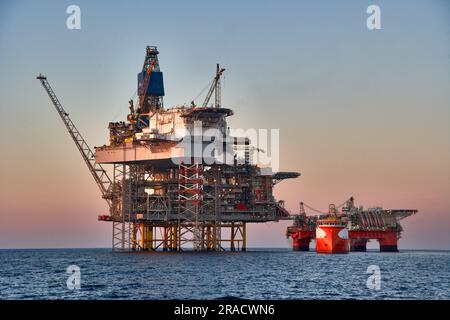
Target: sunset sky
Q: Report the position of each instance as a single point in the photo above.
(361, 112)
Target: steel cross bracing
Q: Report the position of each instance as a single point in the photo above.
(190, 196)
(98, 172)
(121, 213)
(211, 205)
(155, 205)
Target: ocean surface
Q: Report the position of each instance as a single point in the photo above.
(255, 274)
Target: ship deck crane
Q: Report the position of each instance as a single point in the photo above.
(98, 172)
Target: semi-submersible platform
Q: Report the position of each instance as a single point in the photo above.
(163, 196)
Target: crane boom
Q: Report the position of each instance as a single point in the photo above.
(145, 85)
(98, 172)
(215, 86)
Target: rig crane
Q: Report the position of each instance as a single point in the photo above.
(98, 172)
(148, 72)
(215, 87)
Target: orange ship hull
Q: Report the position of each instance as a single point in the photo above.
(332, 239)
(301, 240)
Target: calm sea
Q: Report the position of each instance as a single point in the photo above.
(256, 274)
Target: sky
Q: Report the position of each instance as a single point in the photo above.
(361, 112)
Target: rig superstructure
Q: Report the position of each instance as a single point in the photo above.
(161, 194)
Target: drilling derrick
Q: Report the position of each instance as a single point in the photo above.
(169, 189)
(150, 87)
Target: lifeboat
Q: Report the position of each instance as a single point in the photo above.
(332, 236)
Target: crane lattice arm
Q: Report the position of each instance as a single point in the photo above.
(145, 83)
(215, 86)
(98, 172)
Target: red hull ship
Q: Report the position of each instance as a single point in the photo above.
(331, 236)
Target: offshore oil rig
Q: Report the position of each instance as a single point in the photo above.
(179, 181)
(164, 193)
